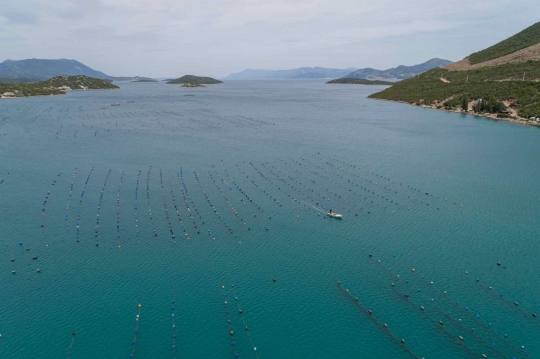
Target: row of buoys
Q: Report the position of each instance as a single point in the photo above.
(154, 230)
(173, 329)
(135, 333)
(375, 199)
(415, 189)
(78, 222)
(501, 296)
(98, 212)
(118, 210)
(167, 217)
(335, 172)
(282, 190)
(228, 319)
(242, 316)
(444, 297)
(137, 204)
(264, 192)
(382, 326)
(44, 203)
(70, 193)
(456, 339)
(229, 203)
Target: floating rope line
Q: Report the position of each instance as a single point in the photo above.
(118, 210)
(190, 205)
(135, 333)
(414, 189)
(337, 197)
(148, 200)
(382, 326)
(137, 204)
(71, 342)
(296, 200)
(205, 195)
(279, 188)
(45, 202)
(229, 322)
(78, 222)
(260, 189)
(222, 219)
(70, 193)
(241, 312)
(173, 328)
(441, 326)
(249, 201)
(307, 189)
(231, 206)
(174, 203)
(444, 297)
(165, 204)
(96, 231)
(508, 303)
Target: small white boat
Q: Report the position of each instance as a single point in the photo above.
(335, 215)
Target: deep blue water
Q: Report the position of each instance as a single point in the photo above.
(188, 190)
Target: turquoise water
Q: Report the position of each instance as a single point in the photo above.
(241, 175)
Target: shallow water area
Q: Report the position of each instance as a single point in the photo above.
(203, 196)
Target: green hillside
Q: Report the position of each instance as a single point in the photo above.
(528, 37)
(55, 86)
(191, 79)
(449, 89)
(355, 81)
(79, 82)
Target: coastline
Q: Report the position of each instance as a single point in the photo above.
(53, 94)
(517, 119)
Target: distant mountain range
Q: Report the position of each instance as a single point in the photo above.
(398, 73)
(393, 74)
(33, 70)
(300, 73)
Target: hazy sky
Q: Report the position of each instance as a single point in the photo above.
(214, 37)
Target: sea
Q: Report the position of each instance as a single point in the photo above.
(192, 223)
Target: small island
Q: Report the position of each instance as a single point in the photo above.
(58, 85)
(355, 81)
(191, 85)
(143, 79)
(194, 80)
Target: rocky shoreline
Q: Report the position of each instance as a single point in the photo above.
(492, 116)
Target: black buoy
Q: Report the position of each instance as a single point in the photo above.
(534, 315)
(73, 333)
(274, 280)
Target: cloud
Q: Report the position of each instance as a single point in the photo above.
(166, 37)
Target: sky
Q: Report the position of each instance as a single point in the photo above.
(167, 38)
